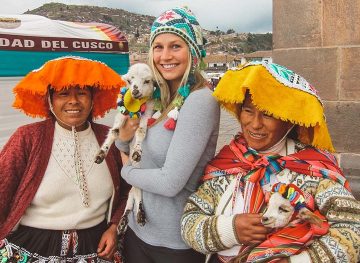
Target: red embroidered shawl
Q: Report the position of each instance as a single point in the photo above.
(238, 158)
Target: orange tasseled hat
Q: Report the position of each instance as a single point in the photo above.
(65, 72)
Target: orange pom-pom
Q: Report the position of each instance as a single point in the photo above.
(170, 124)
(282, 189)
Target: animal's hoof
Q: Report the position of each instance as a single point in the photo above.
(141, 219)
(136, 156)
(100, 157)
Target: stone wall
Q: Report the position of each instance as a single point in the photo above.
(320, 40)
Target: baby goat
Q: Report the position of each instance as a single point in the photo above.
(136, 101)
(282, 205)
(285, 200)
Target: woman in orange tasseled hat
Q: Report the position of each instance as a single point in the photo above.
(55, 202)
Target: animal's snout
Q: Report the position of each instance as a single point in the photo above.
(135, 92)
(265, 220)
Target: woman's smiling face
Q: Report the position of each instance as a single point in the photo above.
(72, 107)
(171, 58)
(260, 131)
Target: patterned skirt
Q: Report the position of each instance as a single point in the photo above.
(28, 244)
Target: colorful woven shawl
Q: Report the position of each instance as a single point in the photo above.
(237, 159)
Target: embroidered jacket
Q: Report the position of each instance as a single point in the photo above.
(23, 162)
(207, 230)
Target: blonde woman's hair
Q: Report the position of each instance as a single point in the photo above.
(200, 82)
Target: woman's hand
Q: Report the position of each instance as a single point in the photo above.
(249, 229)
(127, 131)
(124, 158)
(108, 242)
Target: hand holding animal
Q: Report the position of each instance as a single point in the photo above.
(134, 101)
(286, 207)
(283, 202)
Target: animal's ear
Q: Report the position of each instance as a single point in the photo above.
(306, 215)
(126, 78)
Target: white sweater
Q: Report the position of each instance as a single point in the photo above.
(57, 204)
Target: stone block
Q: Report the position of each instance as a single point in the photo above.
(229, 127)
(296, 23)
(317, 65)
(341, 22)
(350, 164)
(350, 74)
(343, 120)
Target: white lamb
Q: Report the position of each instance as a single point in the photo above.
(140, 87)
(279, 213)
(134, 98)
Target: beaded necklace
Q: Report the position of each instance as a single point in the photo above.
(80, 174)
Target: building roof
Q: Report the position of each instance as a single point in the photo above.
(221, 58)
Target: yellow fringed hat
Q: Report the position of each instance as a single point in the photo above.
(281, 93)
(65, 72)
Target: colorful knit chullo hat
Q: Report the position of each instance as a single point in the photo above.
(31, 93)
(182, 22)
(281, 93)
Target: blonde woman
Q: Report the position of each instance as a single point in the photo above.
(179, 143)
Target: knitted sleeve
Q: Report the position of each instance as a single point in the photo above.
(197, 124)
(201, 229)
(13, 162)
(123, 146)
(342, 243)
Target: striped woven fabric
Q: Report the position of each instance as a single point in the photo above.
(256, 170)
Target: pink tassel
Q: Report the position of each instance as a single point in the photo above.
(170, 124)
(150, 121)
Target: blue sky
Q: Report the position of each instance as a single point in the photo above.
(253, 16)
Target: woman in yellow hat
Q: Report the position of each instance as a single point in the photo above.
(284, 141)
(56, 204)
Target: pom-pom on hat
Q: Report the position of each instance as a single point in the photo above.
(182, 22)
(31, 93)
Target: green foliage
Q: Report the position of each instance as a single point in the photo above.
(259, 42)
(107, 18)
